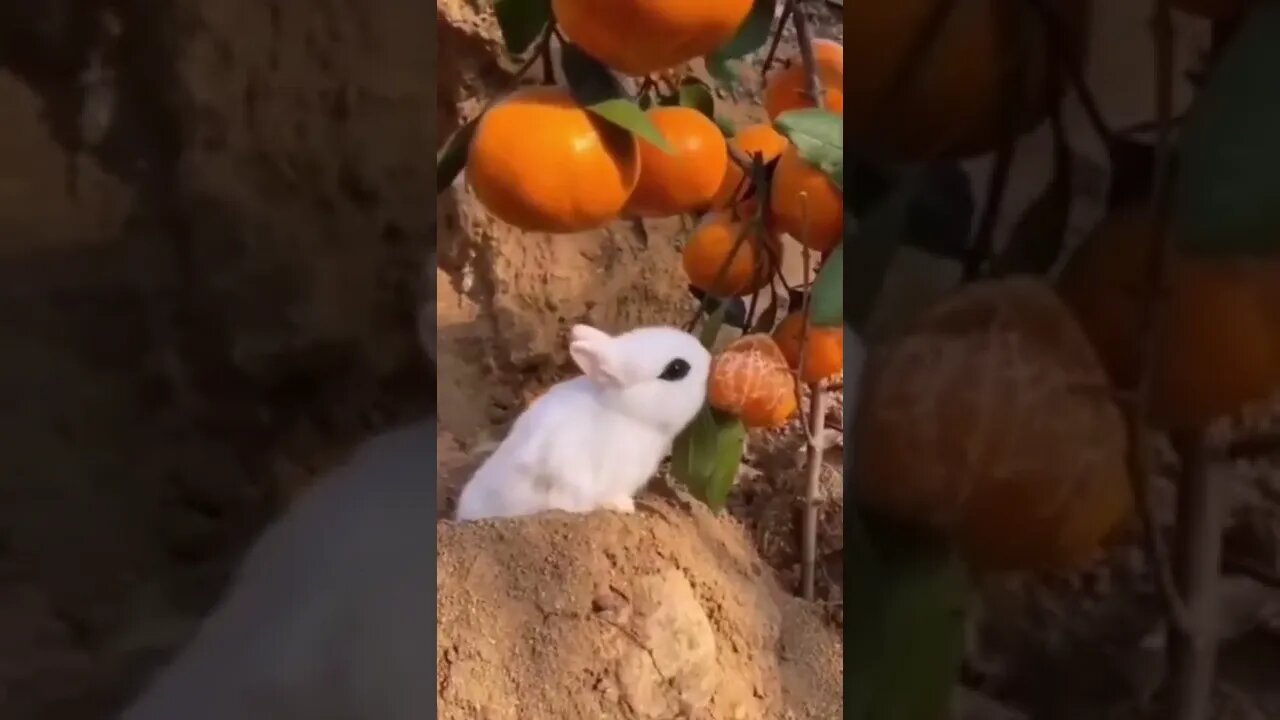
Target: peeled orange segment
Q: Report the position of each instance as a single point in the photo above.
(749, 379)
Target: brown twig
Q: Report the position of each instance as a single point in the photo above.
(813, 459)
(1268, 577)
(1147, 126)
(984, 237)
(1193, 654)
(1141, 456)
(772, 55)
(806, 257)
(1072, 62)
(1198, 530)
(548, 65)
(1255, 446)
(814, 440)
(805, 40)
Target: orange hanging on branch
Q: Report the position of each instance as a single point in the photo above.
(542, 163)
(710, 246)
(788, 88)
(823, 347)
(638, 37)
(1219, 346)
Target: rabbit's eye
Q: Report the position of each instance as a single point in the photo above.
(675, 370)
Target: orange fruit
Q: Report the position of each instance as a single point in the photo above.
(760, 139)
(824, 351)
(542, 163)
(972, 423)
(638, 37)
(709, 247)
(1213, 9)
(749, 379)
(686, 180)
(1220, 348)
(800, 191)
(990, 73)
(788, 88)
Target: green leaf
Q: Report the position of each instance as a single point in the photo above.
(751, 36)
(453, 157)
(1226, 198)
(818, 136)
(598, 90)
(696, 94)
(715, 321)
(826, 307)
(706, 454)
(521, 22)
(906, 643)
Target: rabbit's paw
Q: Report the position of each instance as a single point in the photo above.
(622, 504)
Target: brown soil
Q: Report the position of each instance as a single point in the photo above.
(667, 613)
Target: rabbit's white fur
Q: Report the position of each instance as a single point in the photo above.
(331, 615)
(593, 441)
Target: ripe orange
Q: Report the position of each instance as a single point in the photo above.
(709, 246)
(972, 423)
(760, 139)
(686, 180)
(824, 351)
(638, 37)
(1213, 9)
(542, 163)
(964, 95)
(749, 379)
(800, 190)
(1221, 331)
(788, 88)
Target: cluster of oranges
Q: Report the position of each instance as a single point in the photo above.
(541, 162)
(992, 418)
(995, 416)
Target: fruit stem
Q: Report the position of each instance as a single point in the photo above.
(984, 238)
(1073, 62)
(804, 38)
(772, 56)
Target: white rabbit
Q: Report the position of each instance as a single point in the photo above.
(593, 441)
(331, 615)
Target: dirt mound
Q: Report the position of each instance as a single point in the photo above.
(663, 614)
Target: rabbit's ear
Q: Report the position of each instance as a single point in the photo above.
(592, 352)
